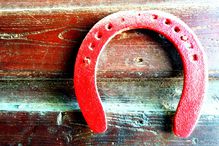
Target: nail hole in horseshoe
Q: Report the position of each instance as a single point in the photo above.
(184, 38)
(154, 16)
(176, 29)
(195, 57)
(98, 35)
(91, 46)
(109, 26)
(188, 45)
(87, 60)
(167, 22)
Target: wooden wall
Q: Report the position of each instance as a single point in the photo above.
(140, 74)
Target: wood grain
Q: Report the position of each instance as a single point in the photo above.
(45, 43)
(138, 112)
(129, 129)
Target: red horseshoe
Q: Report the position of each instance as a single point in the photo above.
(186, 43)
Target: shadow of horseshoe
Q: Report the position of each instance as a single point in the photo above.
(176, 31)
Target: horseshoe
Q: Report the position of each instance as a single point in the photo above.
(176, 31)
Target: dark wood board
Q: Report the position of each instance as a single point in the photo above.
(42, 42)
(139, 112)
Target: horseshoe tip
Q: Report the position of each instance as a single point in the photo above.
(99, 129)
(181, 133)
(182, 129)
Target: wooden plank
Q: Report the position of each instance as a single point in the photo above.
(44, 42)
(132, 128)
(139, 112)
(46, 131)
(94, 4)
(149, 94)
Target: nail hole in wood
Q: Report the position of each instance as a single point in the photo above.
(139, 60)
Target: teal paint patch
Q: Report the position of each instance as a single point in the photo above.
(43, 107)
(148, 95)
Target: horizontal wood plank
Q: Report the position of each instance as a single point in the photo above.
(44, 43)
(118, 95)
(123, 129)
(139, 111)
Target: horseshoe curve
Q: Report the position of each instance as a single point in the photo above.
(176, 31)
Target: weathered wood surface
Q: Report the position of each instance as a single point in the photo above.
(139, 77)
(138, 112)
(44, 43)
(124, 129)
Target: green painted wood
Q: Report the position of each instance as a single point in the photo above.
(118, 95)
